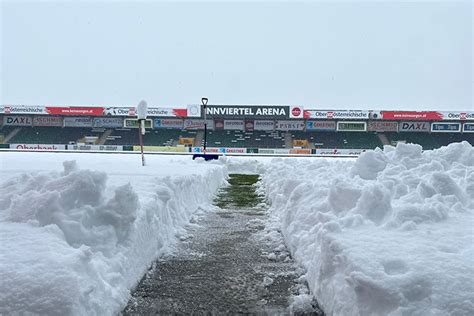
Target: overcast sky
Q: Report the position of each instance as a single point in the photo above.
(338, 55)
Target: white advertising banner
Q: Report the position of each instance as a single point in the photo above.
(95, 147)
(289, 125)
(198, 124)
(335, 152)
(234, 125)
(39, 147)
(47, 121)
(414, 127)
(119, 111)
(264, 125)
(17, 120)
(296, 112)
(77, 122)
(320, 125)
(107, 122)
(24, 109)
(458, 116)
(327, 114)
(194, 110)
(382, 126)
(168, 123)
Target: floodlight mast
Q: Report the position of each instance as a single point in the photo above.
(204, 101)
(141, 115)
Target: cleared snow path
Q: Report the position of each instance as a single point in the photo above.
(224, 266)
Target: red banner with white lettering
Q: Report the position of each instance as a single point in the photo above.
(412, 115)
(85, 111)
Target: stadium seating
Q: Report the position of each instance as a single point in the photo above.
(5, 131)
(245, 139)
(444, 139)
(53, 135)
(156, 137)
(340, 140)
(227, 138)
(426, 140)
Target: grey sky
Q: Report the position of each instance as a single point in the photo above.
(367, 55)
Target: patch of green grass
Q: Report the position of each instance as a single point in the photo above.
(243, 179)
(240, 192)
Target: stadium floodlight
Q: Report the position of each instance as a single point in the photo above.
(141, 110)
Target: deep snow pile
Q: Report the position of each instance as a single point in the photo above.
(390, 233)
(74, 241)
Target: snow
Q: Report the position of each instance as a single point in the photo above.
(390, 233)
(78, 231)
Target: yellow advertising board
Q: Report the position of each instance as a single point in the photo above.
(300, 143)
(186, 141)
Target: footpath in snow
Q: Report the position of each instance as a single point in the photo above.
(222, 265)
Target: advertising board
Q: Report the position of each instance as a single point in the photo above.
(335, 152)
(47, 121)
(289, 125)
(133, 123)
(174, 149)
(468, 128)
(350, 126)
(77, 122)
(75, 110)
(412, 115)
(296, 112)
(342, 114)
(17, 120)
(249, 125)
(193, 110)
(445, 127)
(24, 109)
(234, 125)
(300, 151)
(382, 126)
(166, 112)
(198, 124)
(458, 116)
(264, 125)
(414, 127)
(39, 147)
(248, 111)
(168, 123)
(107, 122)
(320, 126)
(95, 147)
(119, 111)
(222, 150)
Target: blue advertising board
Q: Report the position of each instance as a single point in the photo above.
(446, 127)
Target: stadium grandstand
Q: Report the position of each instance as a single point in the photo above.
(231, 128)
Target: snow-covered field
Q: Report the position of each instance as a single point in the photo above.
(76, 236)
(389, 233)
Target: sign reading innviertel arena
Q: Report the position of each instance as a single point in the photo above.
(248, 111)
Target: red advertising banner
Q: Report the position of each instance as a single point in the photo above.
(82, 111)
(412, 115)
